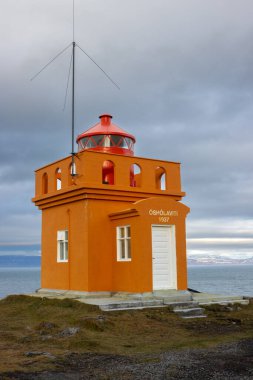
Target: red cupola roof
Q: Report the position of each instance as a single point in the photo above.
(106, 137)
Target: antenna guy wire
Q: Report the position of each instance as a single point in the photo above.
(43, 68)
(115, 84)
(66, 93)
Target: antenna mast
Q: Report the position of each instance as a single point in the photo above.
(73, 165)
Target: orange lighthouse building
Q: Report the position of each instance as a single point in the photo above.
(116, 226)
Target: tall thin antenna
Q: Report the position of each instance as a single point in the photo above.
(72, 61)
(73, 20)
(73, 166)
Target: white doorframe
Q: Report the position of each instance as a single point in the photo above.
(164, 268)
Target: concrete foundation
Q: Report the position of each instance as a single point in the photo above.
(184, 303)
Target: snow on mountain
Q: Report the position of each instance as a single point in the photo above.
(201, 259)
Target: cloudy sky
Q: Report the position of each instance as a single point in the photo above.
(185, 71)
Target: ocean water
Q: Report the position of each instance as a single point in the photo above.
(18, 280)
(223, 279)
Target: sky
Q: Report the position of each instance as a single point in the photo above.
(185, 71)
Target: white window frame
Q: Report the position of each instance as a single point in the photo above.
(58, 180)
(62, 243)
(126, 239)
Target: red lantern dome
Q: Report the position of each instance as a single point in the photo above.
(106, 137)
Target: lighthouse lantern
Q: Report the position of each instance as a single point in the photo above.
(106, 137)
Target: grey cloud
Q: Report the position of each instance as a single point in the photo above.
(185, 72)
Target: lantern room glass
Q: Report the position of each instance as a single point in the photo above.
(106, 141)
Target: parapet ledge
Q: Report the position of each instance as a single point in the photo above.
(129, 213)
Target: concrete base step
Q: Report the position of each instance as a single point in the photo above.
(191, 312)
(179, 305)
(175, 298)
(214, 297)
(104, 308)
(132, 304)
(188, 309)
(196, 316)
(165, 295)
(224, 302)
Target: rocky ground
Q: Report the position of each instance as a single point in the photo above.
(64, 339)
(231, 361)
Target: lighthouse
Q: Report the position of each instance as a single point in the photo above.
(118, 225)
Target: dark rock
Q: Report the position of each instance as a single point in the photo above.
(47, 325)
(40, 353)
(46, 337)
(69, 331)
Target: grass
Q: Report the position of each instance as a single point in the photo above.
(30, 325)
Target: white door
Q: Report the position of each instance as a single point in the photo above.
(164, 257)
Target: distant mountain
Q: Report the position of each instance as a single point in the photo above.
(212, 259)
(8, 261)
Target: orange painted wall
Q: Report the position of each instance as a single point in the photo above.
(86, 207)
(63, 275)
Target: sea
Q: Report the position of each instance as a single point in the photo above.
(219, 279)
